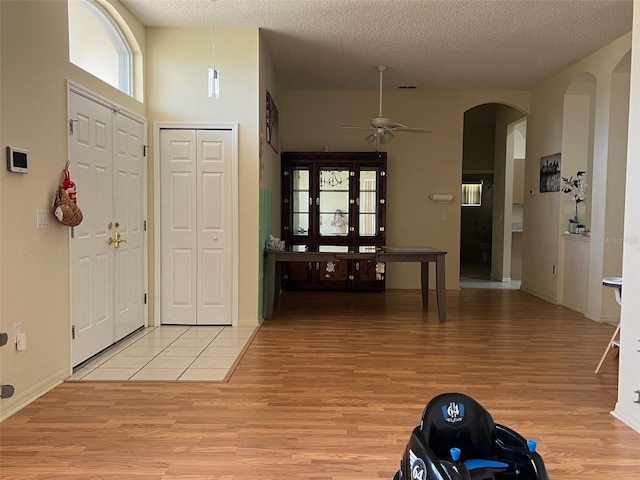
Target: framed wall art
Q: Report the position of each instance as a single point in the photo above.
(272, 124)
(550, 173)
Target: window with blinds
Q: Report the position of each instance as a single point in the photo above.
(471, 194)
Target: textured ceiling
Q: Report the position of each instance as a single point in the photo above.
(433, 44)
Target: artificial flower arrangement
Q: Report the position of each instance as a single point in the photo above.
(274, 243)
(576, 188)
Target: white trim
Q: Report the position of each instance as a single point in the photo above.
(157, 127)
(105, 102)
(627, 416)
(145, 211)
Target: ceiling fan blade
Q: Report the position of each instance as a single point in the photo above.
(358, 129)
(361, 127)
(394, 126)
(413, 130)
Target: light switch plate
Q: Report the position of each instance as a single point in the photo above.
(42, 219)
(21, 341)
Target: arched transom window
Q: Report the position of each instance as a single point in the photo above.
(97, 44)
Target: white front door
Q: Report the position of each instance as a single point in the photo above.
(196, 231)
(128, 213)
(91, 270)
(107, 283)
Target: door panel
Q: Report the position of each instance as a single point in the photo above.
(211, 269)
(215, 273)
(297, 275)
(91, 272)
(178, 226)
(128, 219)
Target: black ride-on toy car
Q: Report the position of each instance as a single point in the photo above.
(457, 439)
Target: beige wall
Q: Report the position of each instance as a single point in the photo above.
(177, 61)
(270, 159)
(616, 171)
(417, 164)
(269, 168)
(34, 264)
(544, 213)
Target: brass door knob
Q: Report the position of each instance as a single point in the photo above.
(116, 240)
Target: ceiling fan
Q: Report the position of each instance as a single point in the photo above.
(382, 127)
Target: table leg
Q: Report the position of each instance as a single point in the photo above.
(441, 288)
(277, 282)
(424, 281)
(271, 284)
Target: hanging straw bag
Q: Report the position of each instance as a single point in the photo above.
(67, 212)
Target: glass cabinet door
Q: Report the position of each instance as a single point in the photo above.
(333, 201)
(368, 202)
(301, 201)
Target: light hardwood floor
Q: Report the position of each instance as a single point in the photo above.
(331, 388)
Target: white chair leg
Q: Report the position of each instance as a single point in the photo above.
(611, 346)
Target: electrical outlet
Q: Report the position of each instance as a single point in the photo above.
(16, 332)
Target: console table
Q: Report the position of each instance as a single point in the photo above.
(423, 255)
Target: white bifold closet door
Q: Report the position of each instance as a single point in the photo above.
(196, 227)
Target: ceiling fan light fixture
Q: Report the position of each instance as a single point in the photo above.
(381, 126)
(386, 137)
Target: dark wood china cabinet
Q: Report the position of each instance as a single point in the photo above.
(334, 201)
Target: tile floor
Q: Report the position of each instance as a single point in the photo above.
(168, 352)
(478, 275)
(488, 283)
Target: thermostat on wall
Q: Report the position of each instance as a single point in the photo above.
(17, 160)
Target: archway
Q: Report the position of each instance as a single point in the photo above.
(492, 139)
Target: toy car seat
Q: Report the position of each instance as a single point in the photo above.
(457, 439)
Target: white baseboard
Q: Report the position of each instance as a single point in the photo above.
(625, 415)
(9, 406)
(535, 293)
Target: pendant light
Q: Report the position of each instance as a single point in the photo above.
(214, 73)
